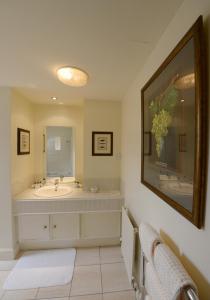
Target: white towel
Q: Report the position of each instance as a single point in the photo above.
(153, 286)
(170, 271)
(149, 238)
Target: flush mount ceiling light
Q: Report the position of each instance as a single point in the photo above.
(53, 98)
(185, 82)
(72, 76)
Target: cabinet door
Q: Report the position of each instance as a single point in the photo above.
(34, 227)
(99, 225)
(65, 226)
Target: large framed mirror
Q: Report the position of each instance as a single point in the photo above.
(60, 151)
(174, 128)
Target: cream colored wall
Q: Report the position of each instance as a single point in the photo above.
(6, 223)
(58, 115)
(22, 116)
(189, 243)
(103, 171)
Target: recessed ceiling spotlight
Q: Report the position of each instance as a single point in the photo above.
(53, 98)
(72, 76)
(182, 100)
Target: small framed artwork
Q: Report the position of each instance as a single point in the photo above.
(23, 141)
(174, 128)
(102, 143)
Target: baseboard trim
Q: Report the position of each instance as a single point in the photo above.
(7, 253)
(32, 245)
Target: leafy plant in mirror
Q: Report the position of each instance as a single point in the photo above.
(162, 108)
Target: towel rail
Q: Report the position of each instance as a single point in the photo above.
(189, 292)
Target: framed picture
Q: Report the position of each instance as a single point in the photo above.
(174, 111)
(102, 143)
(23, 141)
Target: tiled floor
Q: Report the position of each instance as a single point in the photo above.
(99, 274)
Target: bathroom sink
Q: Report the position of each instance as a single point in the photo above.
(179, 188)
(52, 192)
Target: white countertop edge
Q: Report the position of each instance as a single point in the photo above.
(77, 194)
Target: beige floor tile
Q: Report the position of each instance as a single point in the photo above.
(110, 254)
(1, 293)
(20, 294)
(3, 277)
(88, 297)
(86, 280)
(114, 277)
(87, 256)
(7, 265)
(125, 295)
(54, 291)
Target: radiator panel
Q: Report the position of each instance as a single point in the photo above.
(128, 243)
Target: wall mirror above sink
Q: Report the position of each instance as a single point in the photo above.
(60, 152)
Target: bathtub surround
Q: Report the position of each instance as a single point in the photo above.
(190, 244)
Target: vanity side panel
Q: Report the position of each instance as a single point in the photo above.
(105, 224)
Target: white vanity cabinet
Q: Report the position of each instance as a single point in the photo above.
(65, 226)
(48, 227)
(100, 225)
(34, 227)
(75, 222)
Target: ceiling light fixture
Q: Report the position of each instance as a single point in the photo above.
(185, 82)
(53, 98)
(72, 76)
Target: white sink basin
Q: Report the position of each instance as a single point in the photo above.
(51, 192)
(180, 188)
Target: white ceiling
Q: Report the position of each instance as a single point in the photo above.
(110, 39)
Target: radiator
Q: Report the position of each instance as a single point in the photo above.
(128, 239)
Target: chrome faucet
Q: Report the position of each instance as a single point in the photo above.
(56, 184)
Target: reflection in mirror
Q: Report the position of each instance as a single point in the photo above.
(60, 151)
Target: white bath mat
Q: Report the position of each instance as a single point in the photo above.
(42, 269)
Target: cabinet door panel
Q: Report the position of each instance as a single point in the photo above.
(34, 227)
(99, 225)
(65, 226)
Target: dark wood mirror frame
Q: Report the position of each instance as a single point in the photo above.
(196, 213)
